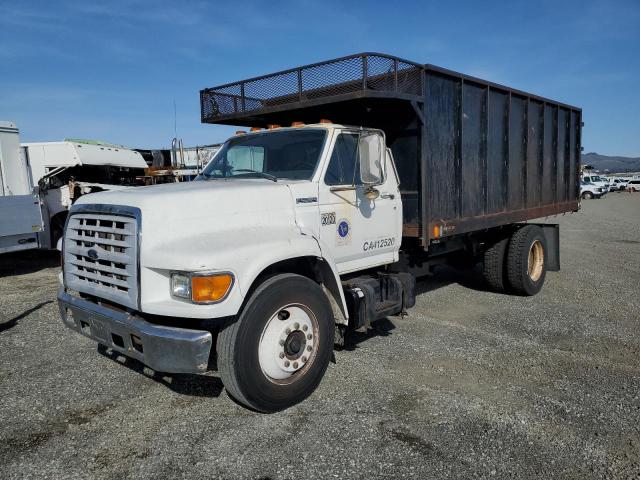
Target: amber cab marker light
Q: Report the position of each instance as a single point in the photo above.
(436, 231)
(324, 120)
(271, 126)
(297, 124)
(256, 129)
(240, 132)
(211, 288)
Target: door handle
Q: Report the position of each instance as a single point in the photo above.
(390, 196)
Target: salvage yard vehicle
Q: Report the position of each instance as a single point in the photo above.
(596, 180)
(616, 184)
(633, 185)
(20, 213)
(358, 175)
(66, 170)
(589, 190)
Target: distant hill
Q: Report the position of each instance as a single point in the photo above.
(613, 164)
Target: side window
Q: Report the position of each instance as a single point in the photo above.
(344, 168)
(246, 158)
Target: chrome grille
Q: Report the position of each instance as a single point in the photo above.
(100, 256)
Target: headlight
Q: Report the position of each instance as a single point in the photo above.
(202, 288)
(181, 285)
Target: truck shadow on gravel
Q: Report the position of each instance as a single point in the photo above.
(470, 278)
(183, 383)
(21, 263)
(379, 328)
(14, 321)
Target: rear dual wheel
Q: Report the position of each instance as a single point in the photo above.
(276, 353)
(517, 263)
(494, 263)
(526, 260)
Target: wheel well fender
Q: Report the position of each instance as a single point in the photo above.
(316, 268)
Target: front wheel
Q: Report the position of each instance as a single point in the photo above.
(275, 354)
(587, 195)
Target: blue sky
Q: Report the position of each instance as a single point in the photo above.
(111, 70)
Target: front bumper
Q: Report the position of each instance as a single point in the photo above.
(164, 349)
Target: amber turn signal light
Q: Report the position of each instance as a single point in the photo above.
(211, 288)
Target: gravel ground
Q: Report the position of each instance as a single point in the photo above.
(470, 384)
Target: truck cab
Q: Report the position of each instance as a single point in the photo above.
(342, 183)
(274, 207)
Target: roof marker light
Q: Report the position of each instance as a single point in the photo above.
(297, 124)
(240, 132)
(271, 126)
(324, 120)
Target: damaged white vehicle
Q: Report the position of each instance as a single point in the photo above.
(64, 171)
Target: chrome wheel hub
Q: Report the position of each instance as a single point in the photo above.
(288, 343)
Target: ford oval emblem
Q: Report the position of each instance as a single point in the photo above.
(92, 254)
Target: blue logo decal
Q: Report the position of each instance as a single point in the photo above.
(343, 228)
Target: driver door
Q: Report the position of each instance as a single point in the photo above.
(359, 231)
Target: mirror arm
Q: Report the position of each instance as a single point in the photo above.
(371, 192)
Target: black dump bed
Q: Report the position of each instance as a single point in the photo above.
(471, 154)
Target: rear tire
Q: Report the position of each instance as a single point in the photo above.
(276, 353)
(526, 260)
(493, 266)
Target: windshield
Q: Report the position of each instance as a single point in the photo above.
(286, 154)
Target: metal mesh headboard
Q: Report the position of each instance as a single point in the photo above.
(355, 75)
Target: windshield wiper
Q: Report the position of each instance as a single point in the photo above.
(268, 176)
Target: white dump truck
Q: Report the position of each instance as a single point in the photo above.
(296, 234)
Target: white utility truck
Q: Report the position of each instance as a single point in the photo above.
(66, 170)
(20, 212)
(296, 234)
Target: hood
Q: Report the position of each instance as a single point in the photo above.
(199, 200)
(199, 215)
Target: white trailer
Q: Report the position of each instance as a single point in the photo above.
(20, 209)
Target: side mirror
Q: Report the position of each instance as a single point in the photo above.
(371, 147)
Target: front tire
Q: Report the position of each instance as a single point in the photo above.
(527, 260)
(276, 353)
(587, 195)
